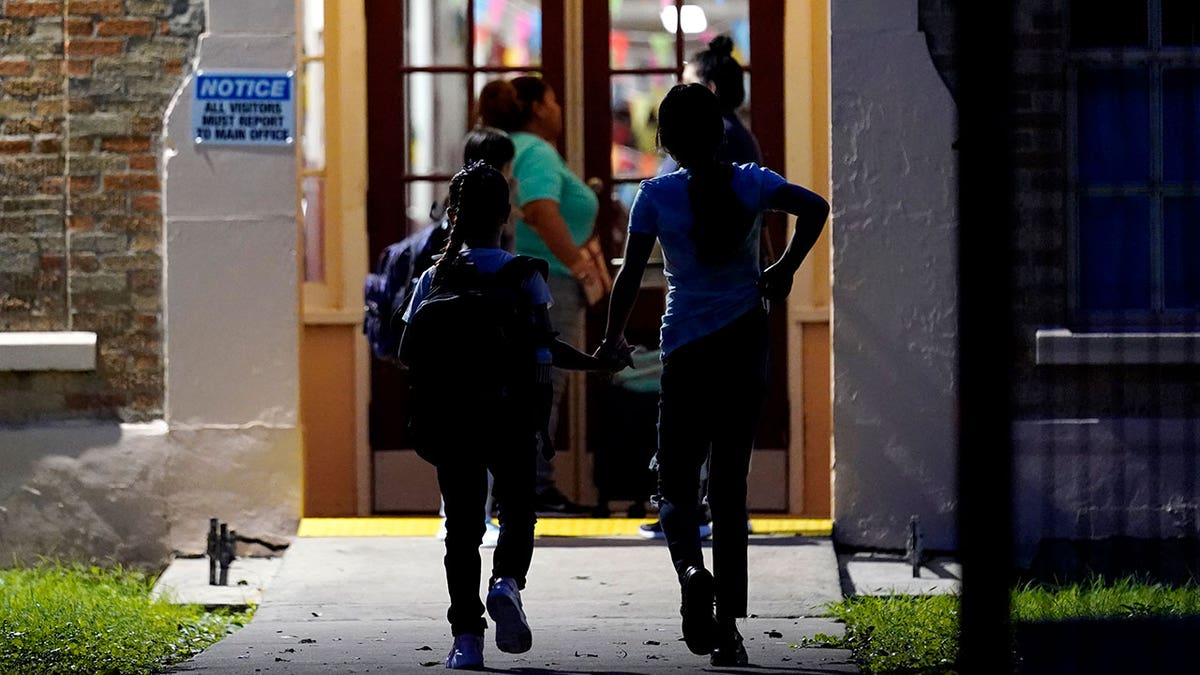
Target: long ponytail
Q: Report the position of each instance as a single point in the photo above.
(691, 128)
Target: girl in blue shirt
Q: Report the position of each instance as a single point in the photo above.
(714, 345)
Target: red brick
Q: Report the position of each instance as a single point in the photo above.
(79, 67)
(95, 47)
(125, 144)
(146, 203)
(125, 27)
(15, 67)
(34, 8)
(131, 181)
(52, 263)
(104, 7)
(15, 146)
(82, 183)
(77, 25)
(143, 163)
(173, 66)
(51, 186)
(81, 223)
(49, 146)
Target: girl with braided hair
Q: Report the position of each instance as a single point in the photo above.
(476, 434)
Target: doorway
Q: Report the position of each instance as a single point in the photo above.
(427, 60)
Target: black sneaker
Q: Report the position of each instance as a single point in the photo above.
(651, 531)
(553, 501)
(699, 624)
(729, 650)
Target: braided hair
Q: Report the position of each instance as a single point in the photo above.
(477, 207)
(691, 129)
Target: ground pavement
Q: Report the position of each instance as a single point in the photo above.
(596, 605)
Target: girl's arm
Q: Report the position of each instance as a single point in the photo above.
(811, 211)
(563, 355)
(638, 247)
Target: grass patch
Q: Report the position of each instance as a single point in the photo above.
(919, 634)
(77, 619)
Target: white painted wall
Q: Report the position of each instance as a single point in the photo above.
(894, 286)
(232, 285)
(230, 445)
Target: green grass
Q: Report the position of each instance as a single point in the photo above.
(919, 634)
(76, 619)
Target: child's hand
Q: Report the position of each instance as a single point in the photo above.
(615, 355)
(775, 283)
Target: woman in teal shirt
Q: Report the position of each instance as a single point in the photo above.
(557, 217)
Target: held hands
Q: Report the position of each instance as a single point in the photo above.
(775, 282)
(615, 354)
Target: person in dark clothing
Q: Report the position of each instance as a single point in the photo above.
(716, 69)
(714, 346)
(470, 428)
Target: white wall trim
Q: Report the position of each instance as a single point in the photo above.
(1061, 346)
(65, 350)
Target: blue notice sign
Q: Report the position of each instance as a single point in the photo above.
(244, 108)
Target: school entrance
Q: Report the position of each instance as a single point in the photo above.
(609, 63)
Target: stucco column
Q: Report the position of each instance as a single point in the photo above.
(894, 270)
(232, 290)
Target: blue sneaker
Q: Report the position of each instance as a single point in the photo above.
(466, 654)
(504, 606)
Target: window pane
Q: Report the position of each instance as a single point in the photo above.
(314, 27)
(1181, 252)
(313, 141)
(1114, 248)
(635, 100)
(728, 17)
(435, 32)
(637, 38)
(436, 120)
(1116, 23)
(1181, 23)
(426, 200)
(508, 33)
(1181, 125)
(1114, 126)
(312, 207)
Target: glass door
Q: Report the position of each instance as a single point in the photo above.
(426, 62)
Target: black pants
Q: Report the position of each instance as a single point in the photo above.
(713, 391)
(462, 477)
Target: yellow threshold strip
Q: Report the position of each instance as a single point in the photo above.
(546, 527)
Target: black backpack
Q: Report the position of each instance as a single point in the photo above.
(472, 341)
(387, 290)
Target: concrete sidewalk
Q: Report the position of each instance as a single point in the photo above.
(596, 605)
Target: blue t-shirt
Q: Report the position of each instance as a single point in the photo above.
(487, 261)
(541, 173)
(701, 298)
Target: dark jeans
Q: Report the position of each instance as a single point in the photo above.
(713, 391)
(463, 482)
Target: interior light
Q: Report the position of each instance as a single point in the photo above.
(693, 19)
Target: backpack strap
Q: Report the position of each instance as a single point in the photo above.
(520, 268)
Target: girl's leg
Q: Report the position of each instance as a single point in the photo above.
(744, 344)
(464, 488)
(514, 471)
(682, 446)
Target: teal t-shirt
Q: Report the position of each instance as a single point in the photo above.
(541, 173)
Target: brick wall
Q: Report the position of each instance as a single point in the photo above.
(83, 88)
(1042, 245)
